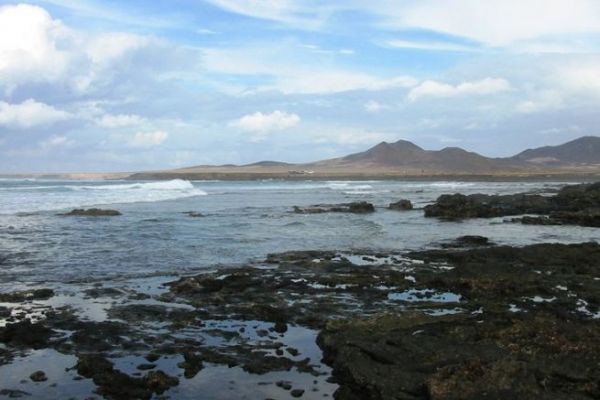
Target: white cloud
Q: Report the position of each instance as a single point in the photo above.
(264, 123)
(498, 22)
(205, 31)
(148, 139)
(491, 22)
(35, 48)
(304, 14)
(355, 137)
(295, 72)
(431, 46)
(440, 89)
(373, 106)
(29, 113)
(323, 81)
(56, 141)
(120, 120)
(581, 77)
(540, 101)
(31, 45)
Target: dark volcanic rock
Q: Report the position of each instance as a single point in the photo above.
(25, 295)
(575, 204)
(115, 384)
(459, 206)
(92, 212)
(26, 334)
(468, 241)
(463, 357)
(402, 204)
(359, 207)
(13, 393)
(194, 214)
(478, 321)
(588, 217)
(38, 376)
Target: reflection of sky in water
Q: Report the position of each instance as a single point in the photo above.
(15, 376)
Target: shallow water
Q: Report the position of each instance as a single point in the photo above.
(243, 220)
(132, 256)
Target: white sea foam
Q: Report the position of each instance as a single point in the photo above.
(70, 194)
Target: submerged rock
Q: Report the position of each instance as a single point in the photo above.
(194, 214)
(401, 205)
(588, 217)
(27, 334)
(26, 295)
(93, 212)
(38, 376)
(14, 393)
(468, 241)
(115, 384)
(360, 207)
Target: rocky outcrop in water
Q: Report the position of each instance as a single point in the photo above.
(575, 204)
(93, 212)
(401, 205)
(360, 207)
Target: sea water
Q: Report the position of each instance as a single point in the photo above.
(241, 221)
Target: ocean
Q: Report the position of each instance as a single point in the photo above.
(241, 221)
(108, 274)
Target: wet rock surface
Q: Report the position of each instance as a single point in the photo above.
(115, 384)
(470, 321)
(93, 212)
(571, 205)
(194, 214)
(24, 295)
(361, 207)
(468, 241)
(531, 331)
(401, 205)
(463, 357)
(38, 376)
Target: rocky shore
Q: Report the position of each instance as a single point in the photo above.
(479, 321)
(465, 319)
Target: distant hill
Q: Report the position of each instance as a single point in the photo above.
(585, 150)
(404, 159)
(406, 155)
(268, 164)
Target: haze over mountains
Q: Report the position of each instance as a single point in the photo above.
(405, 159)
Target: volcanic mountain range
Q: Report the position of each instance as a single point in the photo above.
(405, 159)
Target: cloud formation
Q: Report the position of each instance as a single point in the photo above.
(264, 123)
(29, 114)
(440, 89)
(92, 85)
(148, 139)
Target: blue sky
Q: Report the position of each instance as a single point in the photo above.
(129, 85)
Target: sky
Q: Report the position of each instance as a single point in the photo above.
(89, 85)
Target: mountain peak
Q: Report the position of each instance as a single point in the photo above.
(583, 150)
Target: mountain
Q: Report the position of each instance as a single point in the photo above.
(585, 150)
(407, 156)
(403, 159)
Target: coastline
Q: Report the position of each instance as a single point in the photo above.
(473, 314)
(257, 176)
(253, 176)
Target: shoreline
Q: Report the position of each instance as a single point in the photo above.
(466, 315)
(568, 177)
(258, 176)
